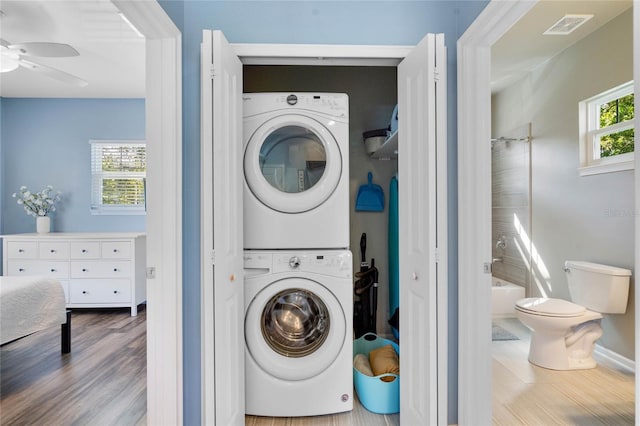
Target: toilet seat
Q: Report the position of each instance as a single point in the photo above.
(549, 307)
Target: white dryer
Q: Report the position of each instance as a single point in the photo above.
(296, 168)
(298, 328)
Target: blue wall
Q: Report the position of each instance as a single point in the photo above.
(313, 22)
(46, 142)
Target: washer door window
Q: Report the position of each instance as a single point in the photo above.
(292, 163)
(295, 323)
(295, 328)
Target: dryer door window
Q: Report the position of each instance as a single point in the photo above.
(295, 328)
(292, 163)
(295, 323)
(292, 159)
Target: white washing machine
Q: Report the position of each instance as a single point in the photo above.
(296, 168)
(298, 328)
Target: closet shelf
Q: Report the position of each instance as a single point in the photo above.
(389, 149)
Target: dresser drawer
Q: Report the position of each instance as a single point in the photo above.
(45, 268)
(85, 250)
(22, 250)
(116, 250)
(53, 250)
(99, 291)
(101, 269)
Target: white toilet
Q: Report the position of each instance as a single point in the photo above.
(564, 333)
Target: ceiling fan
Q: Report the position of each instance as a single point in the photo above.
(14, 55)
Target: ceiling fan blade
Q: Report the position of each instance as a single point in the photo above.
(45, 49)
(53, 73)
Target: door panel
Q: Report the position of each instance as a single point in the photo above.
(222, 276)
(422, 118)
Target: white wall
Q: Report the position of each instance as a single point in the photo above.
(581, 218)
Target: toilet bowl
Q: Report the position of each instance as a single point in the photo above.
(564, 333)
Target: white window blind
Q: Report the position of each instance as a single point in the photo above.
(118, 177)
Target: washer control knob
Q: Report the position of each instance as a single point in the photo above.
(294, 262)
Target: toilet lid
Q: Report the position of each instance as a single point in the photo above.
(550, 307)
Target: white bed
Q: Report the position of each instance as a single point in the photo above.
(30, 304)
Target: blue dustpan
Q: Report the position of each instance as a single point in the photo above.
(370, 197)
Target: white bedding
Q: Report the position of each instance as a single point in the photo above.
(29, 304)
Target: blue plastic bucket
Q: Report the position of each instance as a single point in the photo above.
(374, 394)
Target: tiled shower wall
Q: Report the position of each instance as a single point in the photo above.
(510, 175)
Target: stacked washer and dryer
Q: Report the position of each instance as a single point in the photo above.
(298, 267)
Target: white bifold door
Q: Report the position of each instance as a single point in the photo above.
(423, 233)
(221, 241)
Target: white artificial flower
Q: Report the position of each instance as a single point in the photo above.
(37, 203)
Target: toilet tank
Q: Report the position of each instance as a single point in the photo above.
(597, 287)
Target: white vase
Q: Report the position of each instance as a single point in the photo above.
(43, 224)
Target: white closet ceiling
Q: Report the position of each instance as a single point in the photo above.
(111, 53)
(524, 47)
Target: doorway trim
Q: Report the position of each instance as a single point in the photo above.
(362, 55)
(474, 200)
(163, 129)
(474, 212)
(320, 54)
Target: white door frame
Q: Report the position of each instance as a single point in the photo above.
(367, 55)
(474, 201)
(163, 132)
(474, 207)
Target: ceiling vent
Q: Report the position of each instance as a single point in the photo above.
(567, 24)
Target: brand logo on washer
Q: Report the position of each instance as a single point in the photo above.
(292, 99)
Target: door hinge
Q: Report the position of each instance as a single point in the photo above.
(487, 267)
(212, 71)
(436, 74)
(151, 272)
(212, 257)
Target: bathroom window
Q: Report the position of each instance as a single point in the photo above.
(607, 131)
(118, 175)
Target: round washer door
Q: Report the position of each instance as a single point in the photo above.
(292, 163)
(295, 328)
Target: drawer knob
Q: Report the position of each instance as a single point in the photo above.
(53, 270)
(20, 251)
(115, 291)
(115, 269)
(115, 250)
(21, 270)
(84, 269)
(84, 291)
(52, 251)
(84, 250)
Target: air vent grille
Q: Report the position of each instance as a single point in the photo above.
(567, 24)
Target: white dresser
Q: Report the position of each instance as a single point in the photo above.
(95, 269)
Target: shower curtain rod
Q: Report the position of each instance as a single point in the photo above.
(503, 139)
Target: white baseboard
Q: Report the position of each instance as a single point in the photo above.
(617, 359)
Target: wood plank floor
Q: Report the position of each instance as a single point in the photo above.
(524, 394)
(101, 382)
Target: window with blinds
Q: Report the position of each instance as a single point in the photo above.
(118, 177)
